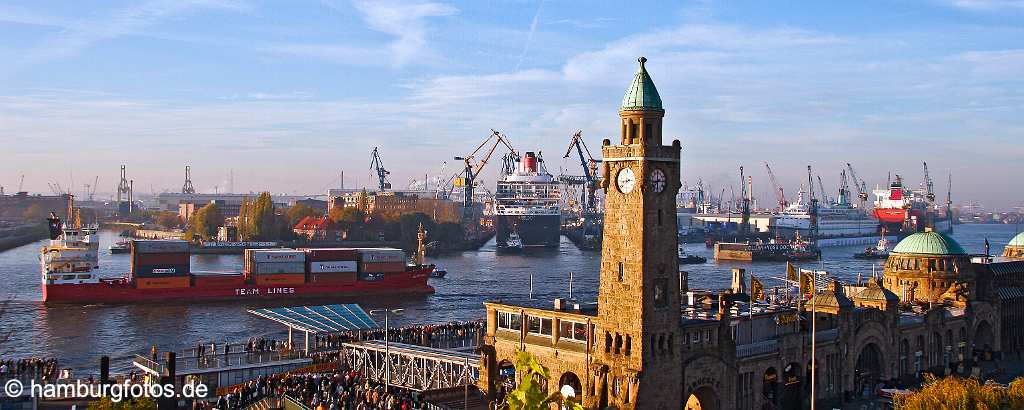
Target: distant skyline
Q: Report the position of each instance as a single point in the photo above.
(288, 95)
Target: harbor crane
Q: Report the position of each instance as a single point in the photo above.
(862, 187)
(812, 210)
(949, 201)
(929, 186)
(472, 170)
(589, 165)
(90, 190)
(844, 189)
(821, 190)
(187, 188)
(745, 210)
(382, 174)
(780, 193)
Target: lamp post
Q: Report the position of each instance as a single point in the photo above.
(387, 347)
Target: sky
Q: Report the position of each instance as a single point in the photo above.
(286, 95)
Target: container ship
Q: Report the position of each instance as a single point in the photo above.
(903, 211)
(526, 206)
(160, 271)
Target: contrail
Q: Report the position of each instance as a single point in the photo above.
(529, 37)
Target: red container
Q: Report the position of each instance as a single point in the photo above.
(218, 280)
(281, 279)
(382, 267)
(332, 277)
(163, 283)
(331, 254)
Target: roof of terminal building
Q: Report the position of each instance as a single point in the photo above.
(572, 306)
(1017, 241)
(875, 292)
(320, 319)
(929, 243)
(641, 94)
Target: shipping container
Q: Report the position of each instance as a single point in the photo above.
(332, 277)
(161, 258)
(387, 267)
(218, 280)
(375, 255)
(333, 266)
(160, 270)
(274, 255)
(172, 282)
(268, 268)
(159, 246)
(281, 279)
(331, 254)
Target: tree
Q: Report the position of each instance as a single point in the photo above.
(204, 222)
(363, 201)
(529, 394)
(956, 393)
(167, 220)
(299, 211)
(126, 404)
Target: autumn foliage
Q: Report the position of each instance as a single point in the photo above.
(963, 394)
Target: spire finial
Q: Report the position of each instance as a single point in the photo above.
(642, 60)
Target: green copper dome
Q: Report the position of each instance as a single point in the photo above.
(1017, 241)
(929, 243)
(641, 94)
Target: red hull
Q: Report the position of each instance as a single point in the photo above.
(411, 281)
(891, 215)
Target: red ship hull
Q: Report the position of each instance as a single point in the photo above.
(891, 215)
(412, 281)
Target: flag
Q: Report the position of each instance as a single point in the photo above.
(791, 272)
(756, 289)
(806, 283)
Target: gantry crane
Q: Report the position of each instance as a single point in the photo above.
(589, 165)
(780, 193)
(929, 186)
(382, 174)
(471, 171)
(862, 187)
(812, 210)
(745, 209)
(187, 188)
(844, 189)
(821, 190)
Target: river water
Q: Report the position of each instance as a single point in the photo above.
(79, 335)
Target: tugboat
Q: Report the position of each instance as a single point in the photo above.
(438, 272)
(513, 244)
(880, 251)
(685, 259)
(121, 246)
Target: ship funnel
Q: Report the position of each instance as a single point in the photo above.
(530, 162)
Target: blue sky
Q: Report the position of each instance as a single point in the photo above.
(287, 94)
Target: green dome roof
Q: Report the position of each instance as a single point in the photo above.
(929, 243)
(1017, 241)
(641, 94)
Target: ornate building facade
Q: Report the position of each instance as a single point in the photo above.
(649, 343)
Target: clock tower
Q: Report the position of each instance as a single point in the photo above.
(638, 303)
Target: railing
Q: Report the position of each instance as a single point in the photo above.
(413, 367)
(290, 403)
(220, 361)
(757, 348)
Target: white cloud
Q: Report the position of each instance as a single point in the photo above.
(987, 5)
(407, 22)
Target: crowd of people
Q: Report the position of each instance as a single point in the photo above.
(345, 389)
(451, 334)
(45, 369)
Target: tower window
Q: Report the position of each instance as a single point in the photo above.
(618, 343)
(621, 271)
(607, 342)
(633, 131)
(629, 344)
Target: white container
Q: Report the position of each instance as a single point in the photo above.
(275, 255)
(333, 267)
(377, 255)
(268, 268)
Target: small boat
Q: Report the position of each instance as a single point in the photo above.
(880, 251)
(513, 243)
(686, 259)
(438, 272)
(119, 247)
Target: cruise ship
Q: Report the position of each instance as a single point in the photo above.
(837, 220)
(526, 206)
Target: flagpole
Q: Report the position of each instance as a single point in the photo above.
(750, 315)
(814, 339)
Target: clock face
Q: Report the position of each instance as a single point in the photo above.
(657, 180)
(625, 180)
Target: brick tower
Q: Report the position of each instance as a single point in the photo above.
(638, 320)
